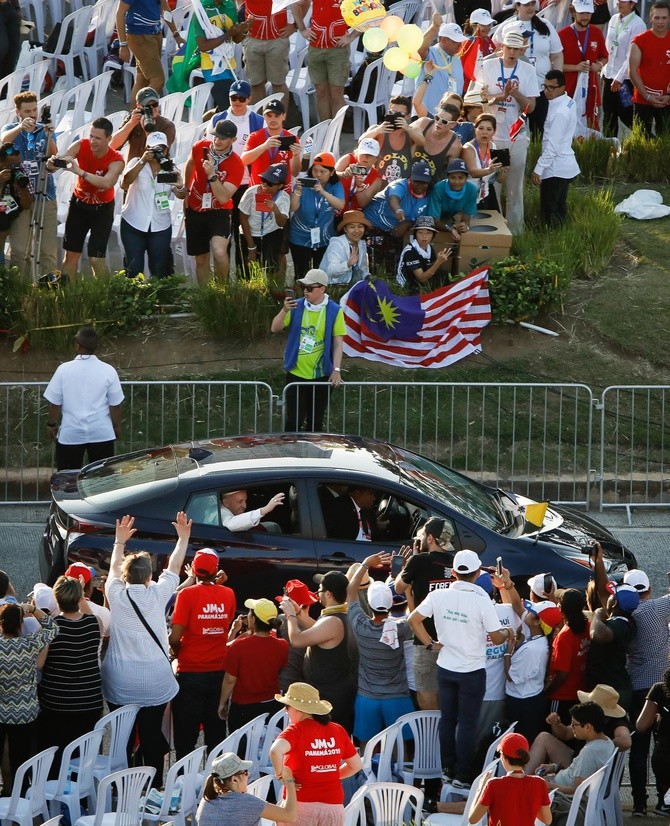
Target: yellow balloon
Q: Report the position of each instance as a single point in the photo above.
(410, 38)
(375, 40)
(413, 69)
(392, 25)
(395, 59)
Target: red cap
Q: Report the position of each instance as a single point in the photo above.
(205, 562)
(79, 569)
(512, 744)
(299, 593)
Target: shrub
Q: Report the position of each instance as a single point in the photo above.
(522, 289)
(243, 310)
(12, 290)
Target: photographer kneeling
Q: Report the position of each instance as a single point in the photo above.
(15, 195)
(146, 222)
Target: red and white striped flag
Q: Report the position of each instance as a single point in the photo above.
(432, 330)
(518, 125)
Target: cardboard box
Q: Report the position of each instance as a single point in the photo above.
(488, 239)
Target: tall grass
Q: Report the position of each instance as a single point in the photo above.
(643, 158)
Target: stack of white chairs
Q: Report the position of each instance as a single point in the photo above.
(196, 101)
(33, 10)
(377, 80)
(87, 102)
(252, 733)
(66, 791)
(104, 22)
(32, 77)
(76, 26)
(331, 141)
(424, 726)
(300, 85)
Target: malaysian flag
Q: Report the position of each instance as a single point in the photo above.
(431, 330)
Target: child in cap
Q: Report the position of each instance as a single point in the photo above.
(419, 264)
(264, 212)
(346, 257)
(516, 799)
(453, 201)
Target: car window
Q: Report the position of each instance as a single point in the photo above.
(209, 507)
(385, 515)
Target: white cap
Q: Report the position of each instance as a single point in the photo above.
(453, 31)
(521, 27)
(582, 6)
(368, 146)
(380, 597)
(156, 139)
(45, 599)
(466, 562)
(536, 585)
(637, 579)
(482, 17)
(524, 2)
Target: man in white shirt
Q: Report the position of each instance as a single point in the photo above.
(617, 87)
(236, 517)
(463, 615)
(557, 165)
(509, 87)
(87, 393)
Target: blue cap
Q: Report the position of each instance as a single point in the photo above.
(457, 165)
(241, 88)
(484, 581)
(421, 172)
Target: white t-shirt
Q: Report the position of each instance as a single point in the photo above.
(494, 75)
(528, 668)
(495, 663)
(263, 223)
(243, 132)
(463, 615)
(85, 388)
(147, 205)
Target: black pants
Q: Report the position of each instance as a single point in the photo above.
(554, 201)
(59, 728)
(613, 111)
(22, 744)
(10, 38)
(242, 713)
(197, 704)
(268, 250)
(152, 744)
(649, 117)
(530, 712)
(72, 456)
(305, 405)
(305, 258)
(639, 752)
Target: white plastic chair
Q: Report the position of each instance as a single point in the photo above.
(197, 97)
(258, 107)
(384, 745)
(183, 775)
(32, 77)
(391, 803)
(172, 106)
(23, 810)
(71, 792)
(120, 722)
(426, 763)
(104, 21)
(312, 139)
(299, 84)
(611, 798)
(128, 788)
(186, 135)
(253, 732)
(7, 116)
(76, 24)
(54, 821)
(381, 92)
(495, 745)
(54, 100)
(406, 9)
(331, 141)
(594, 786)
(261, 788)
(275, 725)
(34, 10)
(444, 819)
(88, 101)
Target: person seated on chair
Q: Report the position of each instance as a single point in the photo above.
(134, 130)
(236, 517)
(354, 519)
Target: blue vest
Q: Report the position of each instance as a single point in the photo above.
(325, 366)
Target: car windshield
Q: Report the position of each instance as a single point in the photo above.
(452, 489)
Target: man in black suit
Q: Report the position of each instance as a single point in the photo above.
(352, 516)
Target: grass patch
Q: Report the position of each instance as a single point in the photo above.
(643, 158)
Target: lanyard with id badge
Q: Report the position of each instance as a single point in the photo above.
(161, 197)
(308, 339)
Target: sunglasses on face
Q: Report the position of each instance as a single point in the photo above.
(313, 287)
(438, 119)
(549, 87)
(238, 98)
(8, 150)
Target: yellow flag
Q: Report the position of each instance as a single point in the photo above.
(535, 513)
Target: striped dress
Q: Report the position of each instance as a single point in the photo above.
(71, 675)
(18, 675)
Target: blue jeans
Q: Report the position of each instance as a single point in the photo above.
(155, 244)
(461, 696)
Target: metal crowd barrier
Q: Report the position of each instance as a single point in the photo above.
(547, 441)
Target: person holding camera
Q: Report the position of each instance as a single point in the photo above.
(398, 139)
(213, 174)
(34, 140)
(146, 221)
(97, 167)
(272, 144)
(15, 194)
(264, 212)
(144, 119)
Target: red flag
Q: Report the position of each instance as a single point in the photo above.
(454, 317)
(518, 125)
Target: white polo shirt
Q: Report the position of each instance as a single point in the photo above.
(85, 388)
(463, 616)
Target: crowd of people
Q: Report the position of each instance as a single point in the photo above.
(457, 144)
(582, 674)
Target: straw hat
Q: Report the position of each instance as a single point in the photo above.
(304, 697)
(606, 697)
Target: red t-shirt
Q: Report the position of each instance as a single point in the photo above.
(574, 52)
(568, 653)
(327, 23)
(514, 800)
(256, 662)
(206, 611)
(315, 757)
(229, 171)
(350, 192)
(85, 191)
(264, 24)
(266, 159)
(654, 64)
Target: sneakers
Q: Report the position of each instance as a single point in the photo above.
(639, 810)
(457, 783)
(662, 809)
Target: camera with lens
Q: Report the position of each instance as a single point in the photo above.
(19, 177)
(168, 173)
(148, 120)
(45, 117)
(59, 163)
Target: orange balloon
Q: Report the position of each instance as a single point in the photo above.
(416, 56)
(392, 25)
